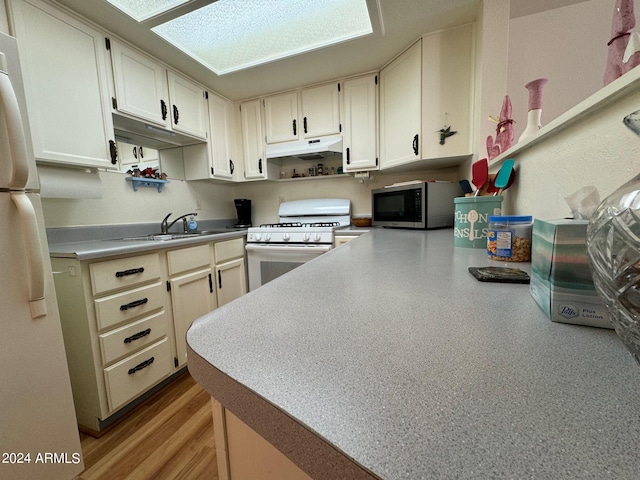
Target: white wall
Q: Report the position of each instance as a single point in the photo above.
(120, 204)
(266, 196)
(567, 45)
(598, 150)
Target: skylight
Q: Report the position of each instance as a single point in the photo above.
(142, 10)
(231, 35)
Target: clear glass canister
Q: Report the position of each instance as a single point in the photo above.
(509, 238)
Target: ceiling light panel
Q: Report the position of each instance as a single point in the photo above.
(142, 10)
(231, 35)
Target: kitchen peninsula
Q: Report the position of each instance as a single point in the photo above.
(385, 358)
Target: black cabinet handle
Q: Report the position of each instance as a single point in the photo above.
(113, 152)
(137, 336)
(140, 152)
(135, 153)
(219, 279)
(176, 115)
(163, 109)
(304, 124)
(231, 166)
(294, 127)
(210, 284)
(415, 145)
(134, 304)
(132, 271)
(348, 157)
(260, 165)
(144, 364)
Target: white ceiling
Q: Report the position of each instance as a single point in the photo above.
(403, 21)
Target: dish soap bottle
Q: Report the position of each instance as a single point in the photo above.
(192, 225)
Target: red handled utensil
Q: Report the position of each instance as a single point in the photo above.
(479, 174)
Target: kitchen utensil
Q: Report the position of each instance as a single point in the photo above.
(480, 174)
(466, 188)
(502, 178)
(491, 188)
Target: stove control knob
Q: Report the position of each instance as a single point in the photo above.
(316, 237)
(258, 237)
(286, 237)
(267, 237)
(306, 237)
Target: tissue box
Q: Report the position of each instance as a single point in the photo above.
(561, 281)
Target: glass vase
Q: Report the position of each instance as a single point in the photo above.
(613, 246)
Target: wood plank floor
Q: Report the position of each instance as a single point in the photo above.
(169, 436)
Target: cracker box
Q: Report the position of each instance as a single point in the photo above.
(561, 281)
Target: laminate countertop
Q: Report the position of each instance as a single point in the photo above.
(388, 353)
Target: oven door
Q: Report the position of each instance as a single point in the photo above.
(268, 261)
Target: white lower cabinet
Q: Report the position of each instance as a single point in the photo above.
(192, 293)
(231, 278)
(125, 319)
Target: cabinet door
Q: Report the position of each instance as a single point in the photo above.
(220, 121)
(192, 296)
(231, 281)
(281, 117)
(320, 110)
(447, 91)
(400, 109)
(360, 125)
(63, 68)
(252, 142)
(188, 106)
(140, 84)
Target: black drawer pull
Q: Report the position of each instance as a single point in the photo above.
(142, 365)
(137, 336)
(135, 303)
(133, 271)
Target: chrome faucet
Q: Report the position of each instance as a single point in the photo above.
(165, 226)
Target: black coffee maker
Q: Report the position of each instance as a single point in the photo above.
(243, 208)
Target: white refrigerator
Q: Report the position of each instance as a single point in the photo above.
(38, 430)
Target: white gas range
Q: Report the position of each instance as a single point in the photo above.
(305, 231)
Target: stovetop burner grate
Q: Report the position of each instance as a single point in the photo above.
(299, 225)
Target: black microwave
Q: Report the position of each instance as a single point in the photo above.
(414, 205)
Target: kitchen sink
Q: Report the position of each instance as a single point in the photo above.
(159, 237)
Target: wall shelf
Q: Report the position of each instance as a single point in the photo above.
(137, 182)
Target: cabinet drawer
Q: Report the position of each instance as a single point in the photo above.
(190, 258)
(126, 340)
(228, 249)
(124, 272)
(132, 376)
(129, 305)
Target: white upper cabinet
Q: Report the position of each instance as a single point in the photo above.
(253, 140)
(213, 160)
(427, 89)
(320, 110)
(281, 117)
(145, 89)
(220, 143)
(63, 67)
(447, 83)
(310, 112)
(360, 124)
(140, 85)
(400, 114)
(188, 106)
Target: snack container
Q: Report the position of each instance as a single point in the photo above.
(509, 238)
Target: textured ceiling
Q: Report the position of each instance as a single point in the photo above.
(403, 21)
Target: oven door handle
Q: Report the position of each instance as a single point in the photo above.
(286, 248)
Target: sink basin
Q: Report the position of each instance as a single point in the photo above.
(159, 237)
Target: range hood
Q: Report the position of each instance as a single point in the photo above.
(308, 149)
